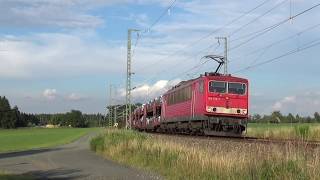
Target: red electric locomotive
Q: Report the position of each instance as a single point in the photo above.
(212, 104)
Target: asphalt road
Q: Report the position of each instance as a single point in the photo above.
(71, 161)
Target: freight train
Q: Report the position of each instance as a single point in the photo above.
(212, 104)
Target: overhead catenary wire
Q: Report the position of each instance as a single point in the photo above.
(194, 67)
(264, 49)
(265, 30)
(135, 45)
(257, 18)
(309, 45)
(280, 41)
(276, 6)
(165, 70)
(193, 43)
(148, 29)
(269, 28)
(162, 15)
(199, 40)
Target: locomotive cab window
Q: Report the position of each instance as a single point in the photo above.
(217, 87)
(237, 88)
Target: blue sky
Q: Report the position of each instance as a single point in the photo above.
(61, 55)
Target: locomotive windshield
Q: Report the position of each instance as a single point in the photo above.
(217, 87)
(227, 87)
(236, 88)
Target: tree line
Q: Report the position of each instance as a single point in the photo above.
(13, 118)
(278, 117)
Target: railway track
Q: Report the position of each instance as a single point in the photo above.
(307, 143)
(247, 139)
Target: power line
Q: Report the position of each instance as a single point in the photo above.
(181, 50)
(236, 19)
(280, 41)
(272, 27)
(299, 49)
(147, 30)
(259, 33)
(162, 15)
(267, 29)
(257, 18)
(165, 70)
(194, 67)
(135, 44)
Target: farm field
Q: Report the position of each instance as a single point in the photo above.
(177, 157)
(31, 138)
(305, 131)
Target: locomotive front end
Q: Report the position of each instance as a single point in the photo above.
(227, 96)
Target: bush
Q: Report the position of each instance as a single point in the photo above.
(97, 143)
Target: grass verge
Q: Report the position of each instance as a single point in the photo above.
(15, 177)
(221, 160)
(303, 131)
(6, 176)
(31, 138)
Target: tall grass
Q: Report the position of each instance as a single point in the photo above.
(287, 131)
(302, 131)
(221, 160)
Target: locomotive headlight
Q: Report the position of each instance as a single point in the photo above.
(244, 111)
(210, 109)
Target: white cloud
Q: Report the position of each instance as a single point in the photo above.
(59, 13)
(284, 102)
(37, 13)
(74, 97)
(305, 103)
(277, 106)
(50, 94)
(147, 92)
(58, 55)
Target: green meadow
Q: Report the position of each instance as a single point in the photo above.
(31, 138)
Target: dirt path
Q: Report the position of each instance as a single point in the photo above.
(71, 161)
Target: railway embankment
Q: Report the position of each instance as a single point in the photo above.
(182, 157)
